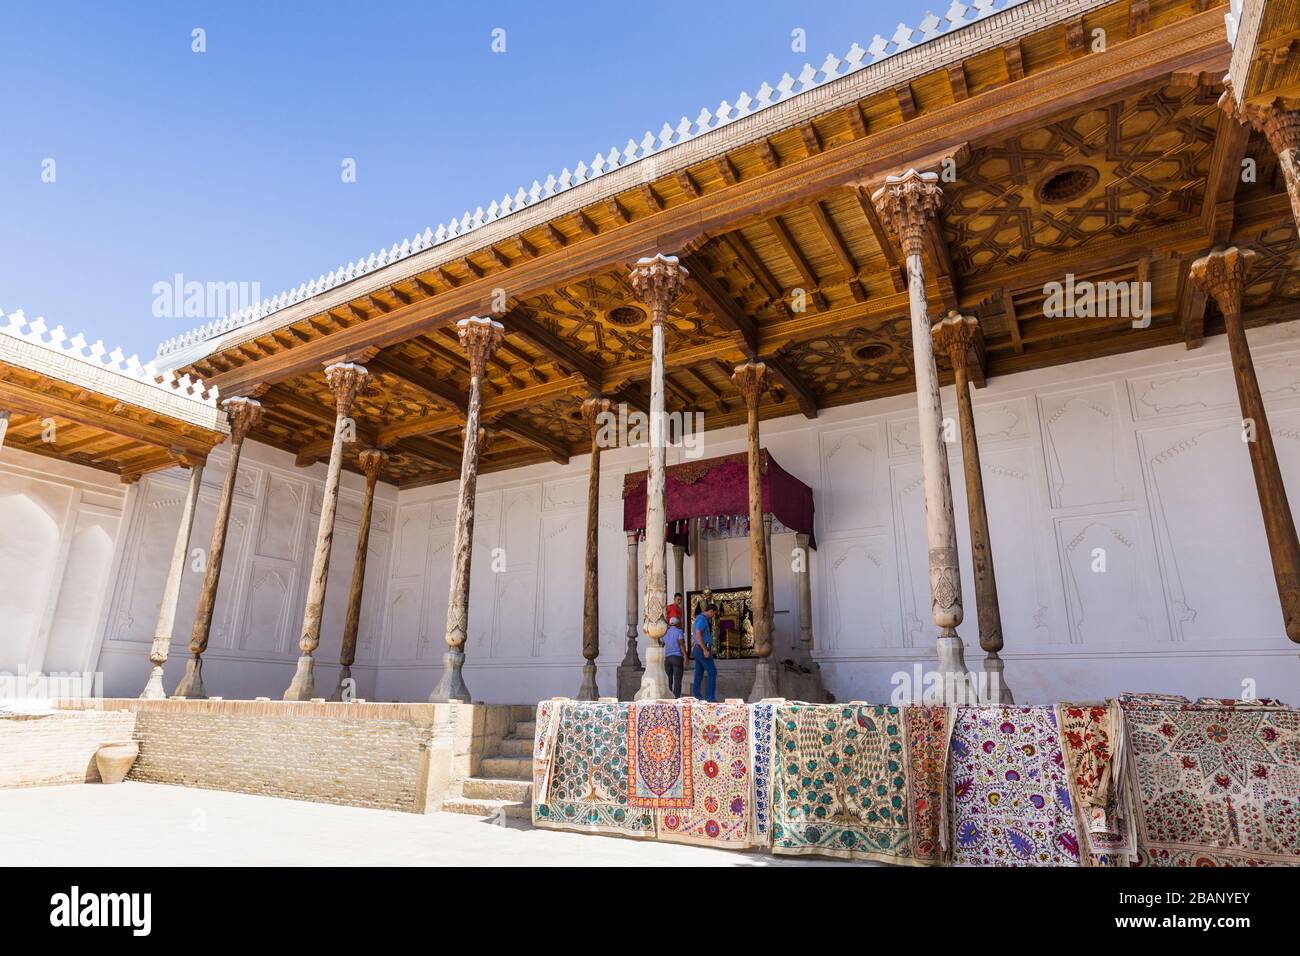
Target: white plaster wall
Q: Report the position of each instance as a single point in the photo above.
(59, 525)
(1139, 456)
(253, 643)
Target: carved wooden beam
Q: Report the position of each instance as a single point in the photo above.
(441, 390)
(786, 375)
(510, 425)
(719, 302)
(569, 358)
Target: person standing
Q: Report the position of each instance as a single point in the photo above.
(674, 649)
(674, 610)
(703, 644)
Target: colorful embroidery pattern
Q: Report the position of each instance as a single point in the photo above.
(1011, 804)
(760, 758)
(544, 737)
(1092, 741)
(720, 810)
(659, 765)
(839, 782)
(1214, 783)
(587, 783)
(928, 732)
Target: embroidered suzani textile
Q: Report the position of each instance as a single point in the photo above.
(1214, 783)
(585, 787)
(659, 770)
(929, 730)
(720, 808)
(840, 782)
(1092, 742)
(761, 729)
(1010, 800)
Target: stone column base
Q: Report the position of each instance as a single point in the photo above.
(997, 691)
(345, 675)
(629, 680)
(952, 665)
(303, 685)
(765, 680)
(588, 690)
(153, 688)
(654, 681)
(191, 685)
(451, 686)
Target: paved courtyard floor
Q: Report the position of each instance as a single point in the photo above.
(142, 824)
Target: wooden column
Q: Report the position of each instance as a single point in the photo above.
(751, 379)
(480, 337)
(697, 553)
(631, 659)
(162, 634)
(593, 409)
(657, 281)
(345, 380)
(244, 414)
(908, 203)
(679, 575)
(803, 584)
(956, 336)
(1222, 274)
(1279, 121)
(372, 465)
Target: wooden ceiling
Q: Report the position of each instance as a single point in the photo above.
(1107, 166)
(59, 419)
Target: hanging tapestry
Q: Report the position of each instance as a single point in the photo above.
(719, 811)
(1010, 801)
(544, 735)
(659, 761)
(760, 759)
(586, 786)
(929, 730)
(1092, 742)
(839, 783)
(1214, 783)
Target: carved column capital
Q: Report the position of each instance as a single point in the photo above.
(372, 461)
(907, 203)
(592, 408)
(1222, 274)
(1278, 120)
(658, 281)
(244, 414)
(480, 338)
(954, 336)
(346, 380)
(751, 379)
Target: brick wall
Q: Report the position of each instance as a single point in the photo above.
(359, 754)
(58, 748)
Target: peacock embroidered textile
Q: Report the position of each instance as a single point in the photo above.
(659, 763)
(719, 813)
(929, 730)
(1092, 743)
(1214, 783)
(586, 785)
(762, 715)
(1010, 801)
(840, 781)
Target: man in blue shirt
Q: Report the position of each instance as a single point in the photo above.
(674, 651)
(704, 663)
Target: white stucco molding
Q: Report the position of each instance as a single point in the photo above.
(30, 344)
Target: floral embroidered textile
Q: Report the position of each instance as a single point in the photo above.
(1092, 743)
(586, 786)
(929, 730)
(1214, 783)
(1011, 804)
(720, 810)
(760, 759)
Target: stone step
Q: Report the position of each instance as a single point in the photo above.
(488, 808)
(515, 747)
(489, 788)
(507, 768)
(525, 728)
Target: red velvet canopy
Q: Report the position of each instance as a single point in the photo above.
(718, 489)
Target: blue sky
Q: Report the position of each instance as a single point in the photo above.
(225, 166)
